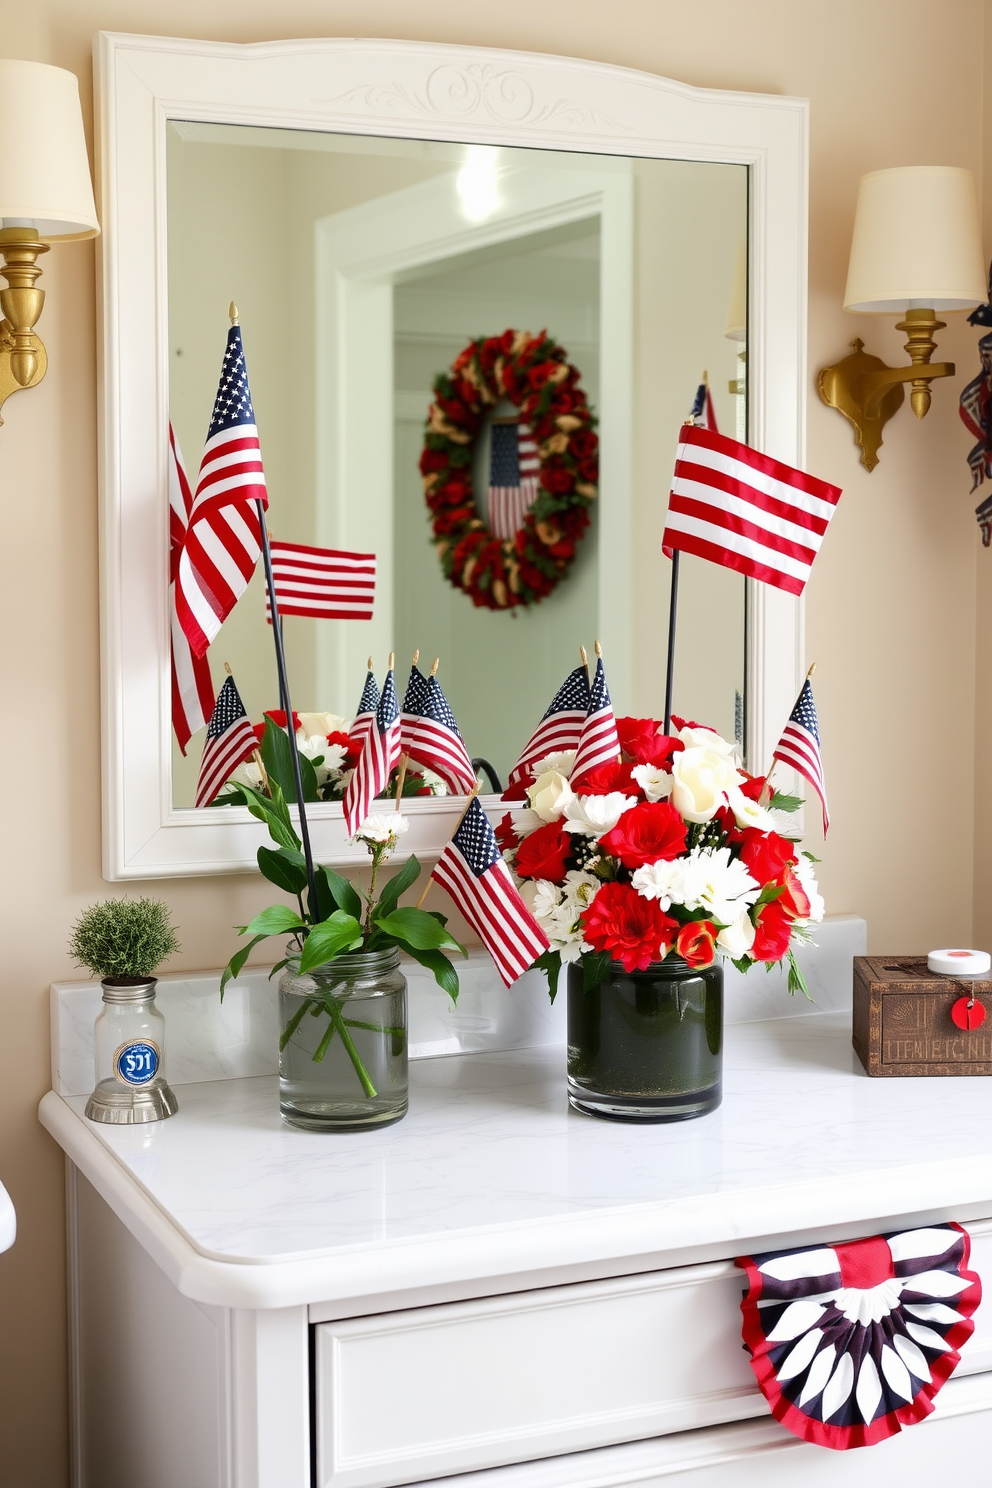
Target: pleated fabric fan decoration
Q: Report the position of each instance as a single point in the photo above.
(850, 1343)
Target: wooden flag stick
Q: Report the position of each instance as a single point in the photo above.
(401, 779)
(416, 656)
(583, 653)
(454, 829)
(434, 665)
(599, 651)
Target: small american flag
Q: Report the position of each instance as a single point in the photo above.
(472, 870)
(560, 727)
(799, 747)
(365, 717)
(514, 465)
(380, 754)
(746, 511)
(703, 413)
(430, 735)
(230, 740)
(321, 583)
(192, 688)
(599, 743)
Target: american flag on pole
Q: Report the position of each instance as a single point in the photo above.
(599, 743)
(703, 413)
(321, 583)
(430, 735)
(472, 870)
(365, 717)
(560, 727)
(380, 754)
(230, 740)
(223, 539)
(514, 466)
(799, 747)
(746, 511)
(192, 688)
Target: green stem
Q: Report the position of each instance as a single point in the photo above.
(353, 1053)
(324, 1044)
(374, 1027)
(291, 1027)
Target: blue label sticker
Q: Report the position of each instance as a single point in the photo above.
(137, 1063)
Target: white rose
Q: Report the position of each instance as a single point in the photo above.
(549, 795)
(312, 724)
(656, 784)
(562, 762)
(806, 875)
(702, 737)
(737, 939)
(702, 779)
(594, 816)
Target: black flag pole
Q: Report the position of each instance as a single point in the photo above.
(673, 606)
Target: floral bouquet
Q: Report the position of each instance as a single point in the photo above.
(675, 850)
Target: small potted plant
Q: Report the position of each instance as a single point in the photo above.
(124, 941)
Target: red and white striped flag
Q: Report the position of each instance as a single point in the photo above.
(599, 743)
(430, 735)
(560, 727)
(192, 688)
(321, 583)
(224, 538)
(799, 747)
(514, 467)
(472, 870)
(746, 511)
(230, 741)
(379, 757)
(369, 702)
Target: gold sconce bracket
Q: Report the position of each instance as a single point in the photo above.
(23, 359)
(868, 392)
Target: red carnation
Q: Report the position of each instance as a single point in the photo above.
(543, 853)
(634, 930)
(645, 834)
(696, 943)
(773, 933)
(278, 717)
(352, 746)
(766, 854)
(607, 778)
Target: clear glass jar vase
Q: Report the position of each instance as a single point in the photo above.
(646, 1045)
(343, 1043)
(129, 1055)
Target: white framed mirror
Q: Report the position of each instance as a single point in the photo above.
(327, 186)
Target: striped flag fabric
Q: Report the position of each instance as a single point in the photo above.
(223, 538)
(514, 466)
(192, 687)
(321, 583)
(379, 757)
(472, 870)
(368, 703)
(430, 735)
(229, 742)
(703, 413)
(799, 747)
(560, 727)
(599, 743)
(736, 507)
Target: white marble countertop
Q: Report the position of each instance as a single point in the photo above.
(491, 1176)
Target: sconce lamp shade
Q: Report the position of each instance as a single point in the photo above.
(737, 309)
(916, 242)
(44, 169)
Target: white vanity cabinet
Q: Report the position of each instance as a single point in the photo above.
(496, 1286)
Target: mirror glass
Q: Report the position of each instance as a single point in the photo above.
(362, 267)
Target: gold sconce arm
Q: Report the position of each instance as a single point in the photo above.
(23, 359)
(868, 392)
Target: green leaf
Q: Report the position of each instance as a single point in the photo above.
(333, 937)
(550, 962)
(780, 801)
(274, 813)
(228, 797)
(277, 757)
(444, 973)
(418, 929)
(233, 968)
(797, 982)
(280, 866)
(743, 964)
(594, 969)
(343, 893)
(396, 887)
(278, 919)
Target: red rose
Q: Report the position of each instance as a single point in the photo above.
(589, 470)
(504, 833)
(538, 376)
(278, 717)
(765, 854)
(642, 742)
(752, 786)
(432, 459)
(543, 853)
(583, 443)
(772, 934)
(557, 478)
(646, 833)
(795, 900)
(607, 778)
(634, 930)
(697, 943)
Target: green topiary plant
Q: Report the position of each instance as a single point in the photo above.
(123, 939)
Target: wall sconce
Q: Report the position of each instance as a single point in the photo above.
(45, 192)
(916, 249)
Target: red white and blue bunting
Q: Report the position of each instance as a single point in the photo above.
(850, 1343)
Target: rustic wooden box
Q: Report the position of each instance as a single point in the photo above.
(902, 1019)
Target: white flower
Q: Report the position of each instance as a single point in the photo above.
(718, 883)
(545, 900)
(702, 737)
(383, 829)
(806, 875)
(580, 888)
(656, 784)
(661, 881)
(748, 813)
(436, 784)
(247, 774)
(594, 816)
(313, 725)
(558, 909)
(702, 780)
(548, 795)
(737, 939)
(525, 821)
(561, 762)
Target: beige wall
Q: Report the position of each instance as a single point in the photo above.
(892, 606)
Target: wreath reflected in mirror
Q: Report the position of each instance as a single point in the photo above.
(543, 468)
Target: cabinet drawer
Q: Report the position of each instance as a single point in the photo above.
(432, 1391)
